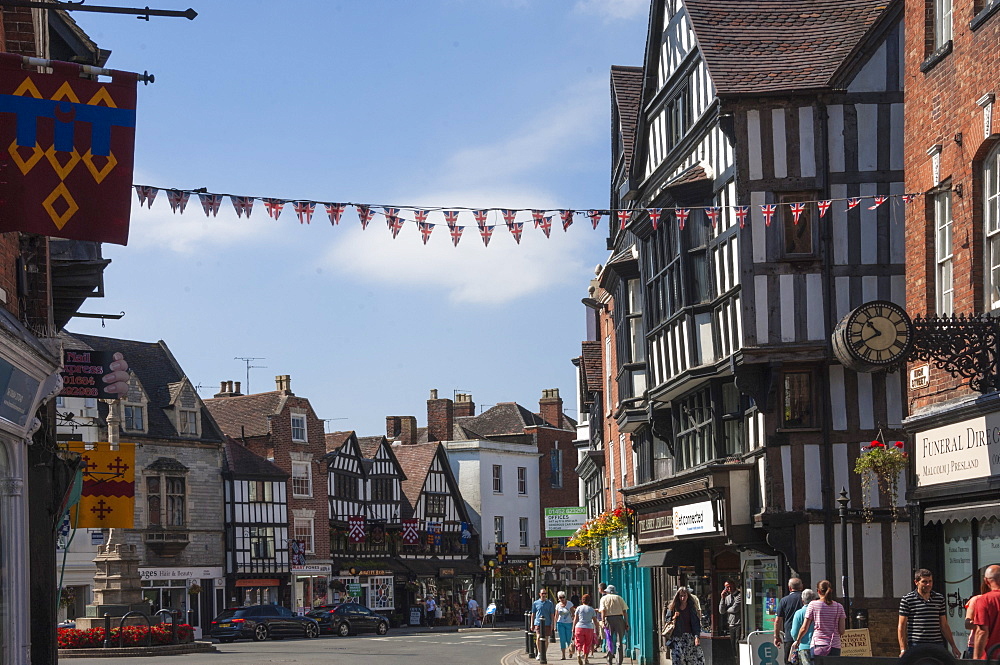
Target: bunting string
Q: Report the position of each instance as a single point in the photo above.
(396, 217)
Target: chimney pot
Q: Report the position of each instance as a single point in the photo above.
(434, 393)
(229, 387)
(222, 387)
(237, 390)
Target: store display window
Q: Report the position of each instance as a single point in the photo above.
(762, 591)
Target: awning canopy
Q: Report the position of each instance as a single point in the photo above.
(962, 512)
(256, 583)
(677, 554)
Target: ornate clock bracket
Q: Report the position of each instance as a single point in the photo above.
(966, 346)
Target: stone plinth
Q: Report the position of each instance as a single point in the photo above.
(117, 585)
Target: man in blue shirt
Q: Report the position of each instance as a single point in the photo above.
(543, 618)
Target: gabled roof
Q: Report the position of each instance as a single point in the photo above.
(758, 46)
(369, 445)
(416, 462)
(246, 415)
(239, 461)
(626, 88)
(504, 419)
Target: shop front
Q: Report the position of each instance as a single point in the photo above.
(195, 591)
(449, 582)
(956, 490)
(620, 567)
(259, 591)
(310, 586)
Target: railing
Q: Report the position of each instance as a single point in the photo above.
(121, 633)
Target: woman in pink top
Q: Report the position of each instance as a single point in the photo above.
(827, 615)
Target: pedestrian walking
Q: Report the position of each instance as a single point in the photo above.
(787, 608)
(801, 654)
(614, 615)
(473, 611)
(431, 605)
(685, 643)
(970, 613)
(564, 623)
(585, 627)
(987, 615)
(923, 616)
(730, 608)
(543, 617)
(827, 618)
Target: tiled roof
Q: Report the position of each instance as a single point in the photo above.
(592, 373)
(415, 461)
(240, 461)
(626, 83)
(246, 415)
(334, 440)
(504, 419)
(157, 370)
(369, 445)
(753, 46)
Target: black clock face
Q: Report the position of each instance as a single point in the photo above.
(879, 333)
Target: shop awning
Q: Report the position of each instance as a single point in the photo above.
(677, 554)
(962, 512)
(256, 583)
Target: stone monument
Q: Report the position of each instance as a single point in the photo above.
(117, 586)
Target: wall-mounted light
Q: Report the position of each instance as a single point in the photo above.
(493, 563)
(354, 571)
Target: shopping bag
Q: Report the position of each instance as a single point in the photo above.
(609, 641)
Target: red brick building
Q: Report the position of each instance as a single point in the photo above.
(952, 158)
(283, 428)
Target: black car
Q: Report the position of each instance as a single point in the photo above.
(258, 622)
(348, 619)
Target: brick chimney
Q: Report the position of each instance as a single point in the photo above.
(550, 407)
(464, 406)
(440, 418)
(402, 429)
(283, 384)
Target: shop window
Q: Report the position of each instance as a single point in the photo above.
(798, 235)
(798, 400)
(303, 530)
(299, 431)
(991, 219)
(497, 479)
(301, 479)
(944, 286)
(522, 480)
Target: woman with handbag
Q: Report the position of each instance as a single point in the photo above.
(685, 638)
(829, 619)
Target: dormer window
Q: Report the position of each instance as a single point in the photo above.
(187, 422)
(133, 408)
(299, 432)
(134, 420)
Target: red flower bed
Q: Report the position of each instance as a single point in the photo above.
(132, 636)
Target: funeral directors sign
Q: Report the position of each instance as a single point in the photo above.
(695, 518)
(962, 451)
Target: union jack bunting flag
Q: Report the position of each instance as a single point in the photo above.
(623, 216)
(305, 210)
(486, 232)
(853, 202)
(273, 207)
(537, 216)
(713, 214)
(242, 204)
(654, 217)
(395, 224)
(546, 225)
(516, 228)
(682, 216)
(419, 216)
(741, 214)
(365, 214)
(508, 216)
(480, 216)
(178, 200)
(451, 216)
(425, 230)
(390, 214)
(210, 203)
(908, 197)
(768, 210)
(146, 195)
(410, 531)
(356, 529)
(797, 209)
(456, 234)
(595, 217)
(334, 212)
(823, 207)
(879, 200)
(567, 218)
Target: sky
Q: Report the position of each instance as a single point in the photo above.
(437, 103)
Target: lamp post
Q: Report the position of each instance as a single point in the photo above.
(843, 501)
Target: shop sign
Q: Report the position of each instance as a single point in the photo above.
(191, 573)
(354, 590)
(446, 572)
(856, 642)
(762, 649)
(961, 451)
(321, 568)
(17, 400)
(695, 518)
(83, 374)
(97, 537)
(654, 526)
(374, 573)
(564, 522)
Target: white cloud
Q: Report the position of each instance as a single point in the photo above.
(613, 9)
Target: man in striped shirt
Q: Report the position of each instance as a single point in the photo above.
(922, 616)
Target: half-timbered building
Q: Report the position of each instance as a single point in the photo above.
(743, 424)
(256, 505)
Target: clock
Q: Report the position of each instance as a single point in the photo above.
(876, 335)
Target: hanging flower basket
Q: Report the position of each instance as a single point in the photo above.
(607, 524)
(883, 464)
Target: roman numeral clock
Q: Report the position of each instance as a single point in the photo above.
(880, 335)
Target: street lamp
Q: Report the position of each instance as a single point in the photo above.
(843, 501)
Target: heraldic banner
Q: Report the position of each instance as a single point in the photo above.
(66, 150)
(108, 497)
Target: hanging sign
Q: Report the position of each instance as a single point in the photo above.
(17, 400)
(83, 373)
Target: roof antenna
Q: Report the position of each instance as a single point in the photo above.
(249, 360)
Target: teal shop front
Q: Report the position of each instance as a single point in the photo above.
(619, 566)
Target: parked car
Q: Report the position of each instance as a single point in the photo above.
(258, 622)
(348, 619)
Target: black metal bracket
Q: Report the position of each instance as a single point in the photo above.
(142, 14)
(966, 346)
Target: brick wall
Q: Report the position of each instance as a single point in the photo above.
(440, 418)
(18, 34)
(611, 435)
(941, 104)
(548, 439)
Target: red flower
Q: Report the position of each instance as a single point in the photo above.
(898, 444)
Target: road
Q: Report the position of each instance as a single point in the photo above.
(421, 648)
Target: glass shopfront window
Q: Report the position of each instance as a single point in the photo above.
(961, 581)
(988, 542)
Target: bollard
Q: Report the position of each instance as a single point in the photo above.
(861, 619)
(107, 631)
(529, 636)
(175, 618)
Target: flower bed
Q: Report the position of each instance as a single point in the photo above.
(132, 636)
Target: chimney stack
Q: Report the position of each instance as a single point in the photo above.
(402, 429)
(283, 384)
(225, 389)
(440, 418)
(464, 406)
(550, 407)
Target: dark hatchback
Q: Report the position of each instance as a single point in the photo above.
(348, 619)
(259, 622)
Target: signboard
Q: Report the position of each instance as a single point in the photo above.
(97, 537)
(83, 374)
(695, 518)
(321, 568)
(656, 526)
(446, 572)
(190, 573)
(961, 451)
(17, 402)
(545, 559)
(762, 649)
(856, 642)
(416, 616)
(107, 499)
(354, 590)
(564, 522)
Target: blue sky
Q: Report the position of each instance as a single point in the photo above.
(438, 103)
